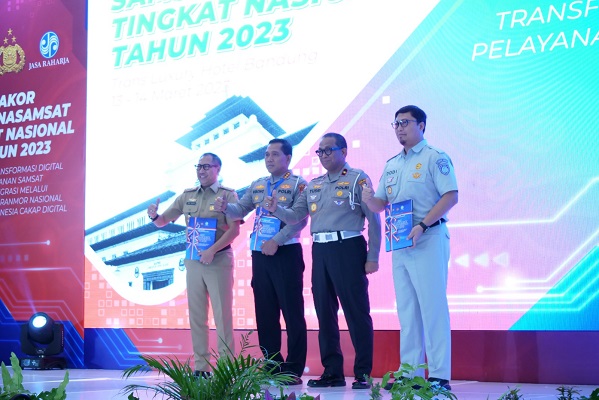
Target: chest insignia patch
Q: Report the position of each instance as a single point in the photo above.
(313, 207)
(418, 166)
(389, 189)
(416, 175)
(339, 202)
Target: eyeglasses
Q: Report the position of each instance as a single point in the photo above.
(205, 167)
(328, 151)
(402, 122)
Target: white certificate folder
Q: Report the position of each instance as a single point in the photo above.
(398, 224)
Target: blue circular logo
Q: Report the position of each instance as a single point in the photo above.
(49, 44)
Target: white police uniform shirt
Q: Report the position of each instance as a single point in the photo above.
(424, 175)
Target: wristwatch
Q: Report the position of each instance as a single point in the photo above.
(424, 226)
(153, 219)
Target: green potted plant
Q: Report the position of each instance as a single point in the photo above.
(12, 386)
(405, 388)
(240, 377)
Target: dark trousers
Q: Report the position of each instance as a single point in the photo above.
(278, 283)
(338, 273)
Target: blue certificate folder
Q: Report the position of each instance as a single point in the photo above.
(398, 224)
(265, 228)
(201, 234)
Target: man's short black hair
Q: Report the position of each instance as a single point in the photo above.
(285, 146)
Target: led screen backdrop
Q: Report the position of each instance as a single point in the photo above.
(42, 167)
(508, 86)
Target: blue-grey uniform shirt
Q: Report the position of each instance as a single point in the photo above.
(287, 188)
(424, 175)
(335, 204)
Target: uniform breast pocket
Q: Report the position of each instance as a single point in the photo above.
(340, 197)
(284, 200)
(417, 177)
(390, 182)
(191, 208)
(258, 197)
(314, 199)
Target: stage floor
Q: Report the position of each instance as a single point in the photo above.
(96, 384)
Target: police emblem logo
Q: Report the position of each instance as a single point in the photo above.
(389, 189)
(13, 56)
(443, 165)
(255, 198)
(339, 193)
(313, 207)
(418, 166)
(312, 196)
(416, 175)
(339, 202)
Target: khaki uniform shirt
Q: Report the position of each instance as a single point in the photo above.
(198, 202)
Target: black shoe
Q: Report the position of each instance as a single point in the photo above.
(202, 374)
(296, 381)
(360, 383)
(327, 380)
(444, 383)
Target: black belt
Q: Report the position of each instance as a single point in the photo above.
(439, 222)
(227, 247)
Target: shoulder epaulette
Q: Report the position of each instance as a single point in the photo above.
(436, 149)
(357, 170)
(226, 188)
(395, 156)
(193, 189)
(321, 177)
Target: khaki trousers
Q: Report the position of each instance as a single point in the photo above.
(211, 283)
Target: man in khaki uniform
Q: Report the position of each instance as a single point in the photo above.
(212, 275)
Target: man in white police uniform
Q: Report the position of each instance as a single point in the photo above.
(425, 175)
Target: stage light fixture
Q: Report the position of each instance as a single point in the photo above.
(43, 339)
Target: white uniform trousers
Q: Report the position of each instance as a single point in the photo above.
(420, 280)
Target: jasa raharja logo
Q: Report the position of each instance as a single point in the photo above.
(49, 44)
(12, 56)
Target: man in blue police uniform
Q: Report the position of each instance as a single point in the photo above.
(277, 261)
(341, 258)
(425, 175)
(210, 277)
